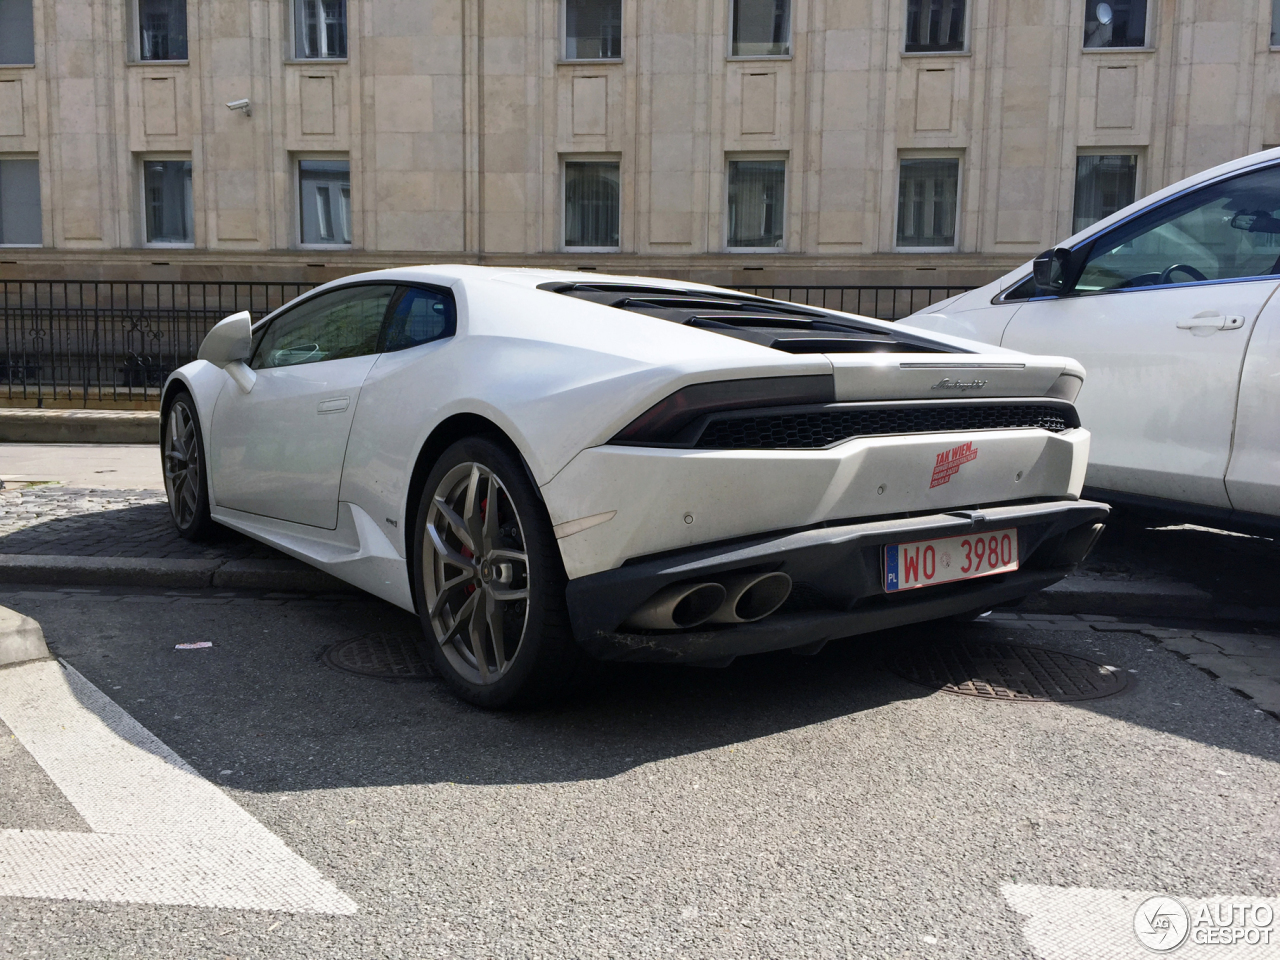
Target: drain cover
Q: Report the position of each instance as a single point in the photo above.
(1006, 671)
(387, 656)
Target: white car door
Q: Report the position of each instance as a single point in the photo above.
(1253, 476)
(1160, 316)
(277, 451)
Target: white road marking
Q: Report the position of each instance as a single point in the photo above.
(162, 833)
(1080, 923)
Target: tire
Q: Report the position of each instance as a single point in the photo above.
(470, 610)
(183, 461)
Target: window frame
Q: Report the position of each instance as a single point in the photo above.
(295, 55)
(135, 41)
(564, 37)
(1147, 28)
(297, 160)
(602, 158)
(774, 155)
(958, 156)
(964, 30)
(143, 159)
(731, 8)
(40, 179)
(259, 329)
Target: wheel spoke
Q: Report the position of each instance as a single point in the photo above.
(471, 510)
(502, 553)
(447, 589)
(476, 630)
(463, 616)
(456, 523)
(189, 496)
(493, 613)
(507, 595)
(489, 533)
(447, 552)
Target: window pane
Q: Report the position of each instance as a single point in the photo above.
(1103, 186)
(756, 202)
(1275, 23)
(162, 29)
(761, 28)
(927, 202)
(934, 25)
(593, 29)
(325, 200)
(420, 316)
(591, 204)
(17, 32)
(1222, 231)
(333, 326)
(1115, 23)
(19, 200)
(166, 186)
(320, 28)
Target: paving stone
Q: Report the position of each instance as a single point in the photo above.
(1188, 645)
(1235, 644)
(1096, 618)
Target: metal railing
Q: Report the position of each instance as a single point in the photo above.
(102, 343)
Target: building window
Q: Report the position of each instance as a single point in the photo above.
(19, 201)
(166, 189)
(1104, 184)
(17, 32)
(162, 29)
(592, 203)
(324, 201)
(1115, 23)
(934, 26)
(757, 194)
(319, 28)
(761, 28)
(927, 192)
(593, 29)
(1275, 23)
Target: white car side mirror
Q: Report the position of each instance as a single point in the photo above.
(228, 345)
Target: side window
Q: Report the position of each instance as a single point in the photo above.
(332, 326)
(419, 316)
(1223, 231)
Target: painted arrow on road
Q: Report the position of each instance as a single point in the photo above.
(161, 832)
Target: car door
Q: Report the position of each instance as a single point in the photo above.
(1253, 476)
(278, 449)
(1160, 315)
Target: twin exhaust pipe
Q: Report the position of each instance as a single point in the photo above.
(738, 598)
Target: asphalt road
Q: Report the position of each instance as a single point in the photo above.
(783, 807)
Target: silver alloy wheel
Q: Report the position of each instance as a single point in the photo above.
(182, 464)
(476, 573)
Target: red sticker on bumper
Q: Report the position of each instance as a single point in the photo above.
(949, 462)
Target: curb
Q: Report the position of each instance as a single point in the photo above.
(1140, 598)
(274, 575)
(21, 639)
(45, 425)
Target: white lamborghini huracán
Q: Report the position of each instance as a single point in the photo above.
(549, 468)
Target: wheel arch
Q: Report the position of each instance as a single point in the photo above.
(446, 433)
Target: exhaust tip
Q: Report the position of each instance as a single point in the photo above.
(752, 597)
(678, 607)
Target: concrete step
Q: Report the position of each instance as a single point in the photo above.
(52, 425)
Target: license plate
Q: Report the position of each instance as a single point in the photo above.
(924, 563)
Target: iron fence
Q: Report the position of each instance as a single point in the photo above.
(98, 342)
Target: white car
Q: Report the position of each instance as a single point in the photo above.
(1169, 304)
(549, 467)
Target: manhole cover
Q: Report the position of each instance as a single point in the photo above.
(1007, 671)
(387, 656)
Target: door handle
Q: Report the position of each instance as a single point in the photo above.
(334, 405)
(1203, 324)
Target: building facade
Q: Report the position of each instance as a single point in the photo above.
(736, 141)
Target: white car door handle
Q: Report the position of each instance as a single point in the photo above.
(1205, 323)
(334, 405)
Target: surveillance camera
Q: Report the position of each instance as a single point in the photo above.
(240, 105)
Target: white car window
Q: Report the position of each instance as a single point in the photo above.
(332, 326)
(419, 316)
(1223, 231)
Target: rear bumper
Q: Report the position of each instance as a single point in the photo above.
(837, 575)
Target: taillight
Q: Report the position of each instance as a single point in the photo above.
(663, 422)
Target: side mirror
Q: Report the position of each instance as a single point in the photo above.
(1051, 269)
(230, 339)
